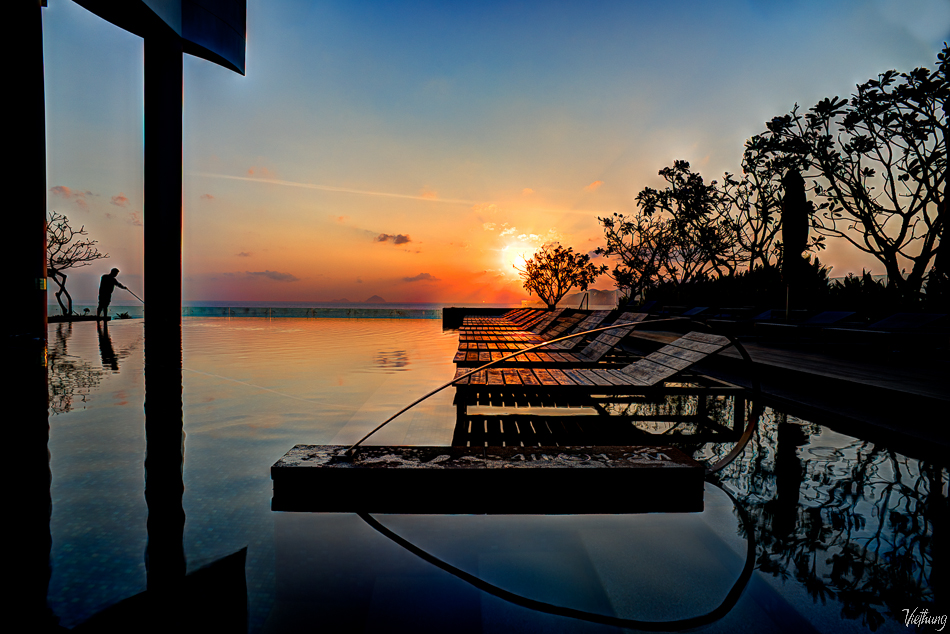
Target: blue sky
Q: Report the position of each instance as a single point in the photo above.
(473, 132)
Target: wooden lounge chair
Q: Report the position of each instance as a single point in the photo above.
(518, 320)
(808, 327)
(475, 353)
(561, 326)
(532, 328)
(546, 406)
(487, 320)
(649, 371)
(521, 322)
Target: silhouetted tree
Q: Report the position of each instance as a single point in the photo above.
(65, 249)
(703, 235)
(755, 197)
(878, 163)
(643, 246)
(553, 271)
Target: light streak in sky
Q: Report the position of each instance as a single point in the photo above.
(330, 188)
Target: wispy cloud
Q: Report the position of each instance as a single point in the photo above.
(485, 208)
(244, 254)
(527, 191)
(120, 200)
(135, 218)
(265, 173)
(275, 275)
(76, 196)
(331, 188)
(206, 197)
(593, 186)
(395, 239)
(422, 277)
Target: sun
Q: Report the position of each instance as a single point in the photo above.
(512, 256)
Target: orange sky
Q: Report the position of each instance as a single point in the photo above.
(417, 154)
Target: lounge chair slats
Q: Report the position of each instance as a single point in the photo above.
(647, 372)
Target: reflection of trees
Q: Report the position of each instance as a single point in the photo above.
(72, 377)
(854, 523)
(392, 359)
(69, 377)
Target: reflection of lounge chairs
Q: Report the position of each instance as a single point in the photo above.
(536, 392)
(479, 352)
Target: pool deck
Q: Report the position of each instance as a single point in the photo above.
(861, 391)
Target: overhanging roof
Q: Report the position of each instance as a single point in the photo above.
(214, 30)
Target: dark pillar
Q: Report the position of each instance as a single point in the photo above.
(25, 324)
(27, 220)
(165, 559)
(163, 188)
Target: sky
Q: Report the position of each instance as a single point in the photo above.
(416, 151)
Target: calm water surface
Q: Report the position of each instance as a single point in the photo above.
(844, 530)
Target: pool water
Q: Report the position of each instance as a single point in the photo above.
(847, 534)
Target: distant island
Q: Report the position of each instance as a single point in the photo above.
(375, 299)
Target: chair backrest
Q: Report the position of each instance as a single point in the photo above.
(608, 339)
(592, 321)
(675, 357)
(828, 317)
(562, 325)
(906, 321)
(543, 325)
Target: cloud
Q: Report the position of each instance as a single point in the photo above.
(593, 186)
(422, 277)
(244, 254)
(77, 197)
(485, 208)
(135, 219)
(428, 194)
(120, 200)
(488, 226)
(507, 231)
(263, 172)
(395, 239)
(527, 191)
(275, 275)
(340, 219)
(207, 196)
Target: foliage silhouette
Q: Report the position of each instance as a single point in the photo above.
(66, 249)
(553, 271)
(878, 163)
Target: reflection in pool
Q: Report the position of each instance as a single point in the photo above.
(848, 533)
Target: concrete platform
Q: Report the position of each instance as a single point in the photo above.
(481, 480)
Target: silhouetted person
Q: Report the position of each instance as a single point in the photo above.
(106, 285)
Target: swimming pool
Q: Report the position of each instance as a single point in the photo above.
(845, 530)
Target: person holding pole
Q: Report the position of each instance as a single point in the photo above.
(106, 285)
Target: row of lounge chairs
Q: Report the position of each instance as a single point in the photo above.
(589, 372)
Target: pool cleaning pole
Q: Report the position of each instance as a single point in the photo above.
(136, 296)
